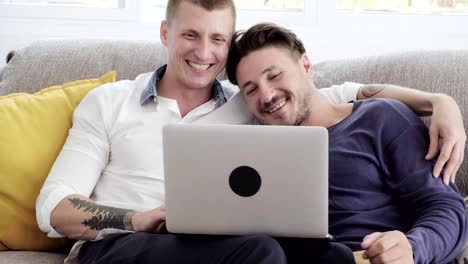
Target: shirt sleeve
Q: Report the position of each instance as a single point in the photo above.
(341, 94)
(80, 162)
(437, 210)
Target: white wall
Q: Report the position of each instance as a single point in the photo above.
(327, 37)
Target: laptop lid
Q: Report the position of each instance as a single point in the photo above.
(246, 179)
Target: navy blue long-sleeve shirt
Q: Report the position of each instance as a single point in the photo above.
(380, 181)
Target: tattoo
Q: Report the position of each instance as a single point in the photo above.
(370, 90)
(104, 216)
(128, 221)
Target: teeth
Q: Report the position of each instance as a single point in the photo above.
(277, 106)
(200, 67)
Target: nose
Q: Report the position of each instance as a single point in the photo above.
(202, 51)
(267, 93)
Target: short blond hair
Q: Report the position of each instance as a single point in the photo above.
(208, 5)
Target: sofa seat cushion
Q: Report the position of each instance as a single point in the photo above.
(28, 257)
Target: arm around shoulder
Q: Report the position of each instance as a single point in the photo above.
(446, 123)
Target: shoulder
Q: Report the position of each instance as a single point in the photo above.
(387, 109)
(117, 91)
(388, 119)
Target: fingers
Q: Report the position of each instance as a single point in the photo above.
(159, 210)
(382, 244)
(453, 164)
(160, 226)
(462, 156)
(392, 246)
(433, 144)
(391, 255)
(444, 156)
(370, 239)
(453, 161)
(161, 215)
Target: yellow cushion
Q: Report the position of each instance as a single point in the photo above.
(33, 129)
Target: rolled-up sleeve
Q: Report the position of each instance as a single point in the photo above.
(81, 160)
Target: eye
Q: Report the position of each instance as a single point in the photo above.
(274, 76)
(219, 40)
(250, 90)
(188, 35)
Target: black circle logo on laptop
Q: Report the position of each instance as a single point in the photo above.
(245, 181)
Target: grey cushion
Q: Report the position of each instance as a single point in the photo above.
(20, 257)
(432, 71)
(52, 62)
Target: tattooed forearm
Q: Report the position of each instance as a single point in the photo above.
(104, 216)
(371, 90)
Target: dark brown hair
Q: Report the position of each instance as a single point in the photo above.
(258, 37)
(209, 5)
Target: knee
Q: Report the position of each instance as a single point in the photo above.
(264, 249)
(339, 253)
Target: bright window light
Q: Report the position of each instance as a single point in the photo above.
(254, 4)
(71, 3)
(405, 6)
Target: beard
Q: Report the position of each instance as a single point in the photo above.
(303, 111)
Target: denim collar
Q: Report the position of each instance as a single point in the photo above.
(150, 91)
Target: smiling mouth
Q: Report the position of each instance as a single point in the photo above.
(278, 105)
(198, 66)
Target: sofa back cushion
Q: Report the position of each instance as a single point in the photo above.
(33, 130)
(52, 62)
(432, 71)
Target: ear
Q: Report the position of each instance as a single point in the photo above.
(163, 32)
(308, 67)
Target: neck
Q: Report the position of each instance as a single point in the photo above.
(326, 113)
(188, 98)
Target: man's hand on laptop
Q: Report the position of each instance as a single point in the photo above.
(387, 247)
(152, 221)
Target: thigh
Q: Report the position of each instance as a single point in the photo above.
(143, 247)
(306, 250)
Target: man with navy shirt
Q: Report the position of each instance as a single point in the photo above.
(382, 198)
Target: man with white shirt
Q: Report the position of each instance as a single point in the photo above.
(107, 183)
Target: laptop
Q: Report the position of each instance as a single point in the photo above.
(246, 180)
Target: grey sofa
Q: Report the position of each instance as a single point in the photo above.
(46, 63)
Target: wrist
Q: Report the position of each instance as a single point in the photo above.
(435, 100)
(131, 221)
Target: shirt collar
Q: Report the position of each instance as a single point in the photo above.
(150, 91)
